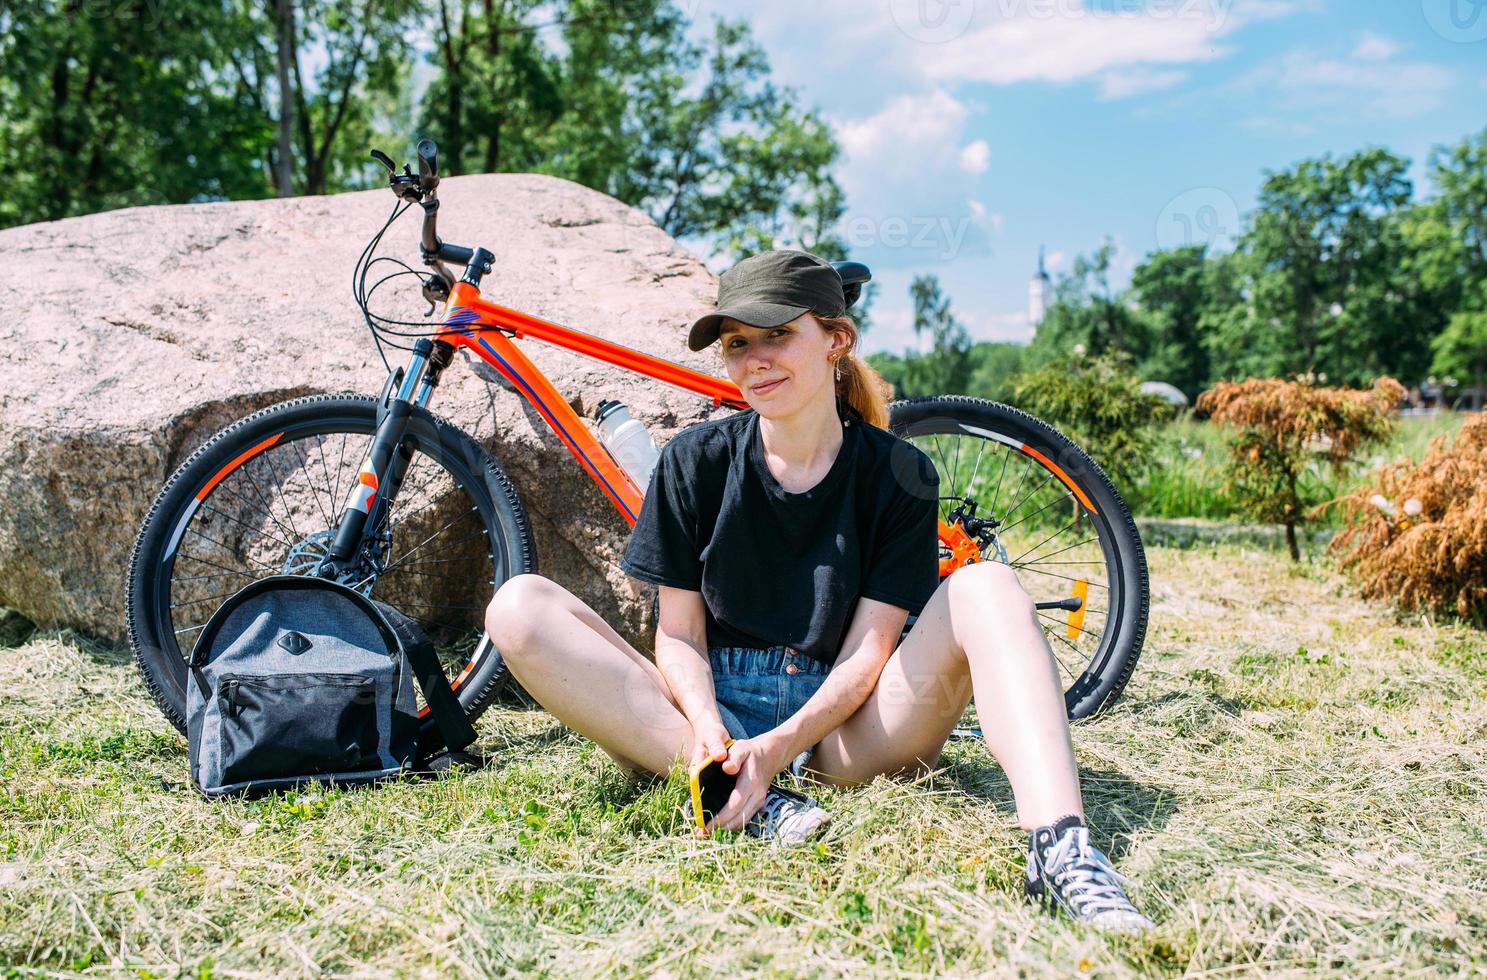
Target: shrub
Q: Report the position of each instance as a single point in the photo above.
(1098, 403)
(1418, 532)
(1282, 425)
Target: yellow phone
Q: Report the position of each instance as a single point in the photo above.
(711, 787)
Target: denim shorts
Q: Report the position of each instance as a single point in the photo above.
(759, 687)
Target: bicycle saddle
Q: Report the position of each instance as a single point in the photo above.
(853, 274)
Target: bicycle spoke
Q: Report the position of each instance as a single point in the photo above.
(1059, 622)
(1066, 578)
(997, 496)
(1043, 542)
(246, 470)
(304, 465)
(279, 489)
(1030, 495)
(239, 520)
(191, 557)
(1062, 550)
(425, 541)
(1067, 495)
(977, 468)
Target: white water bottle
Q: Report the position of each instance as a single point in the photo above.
(628, 442)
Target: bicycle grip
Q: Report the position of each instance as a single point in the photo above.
(428, 161)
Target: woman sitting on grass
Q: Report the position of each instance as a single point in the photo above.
(790, 544)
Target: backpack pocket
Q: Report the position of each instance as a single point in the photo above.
(275, 725)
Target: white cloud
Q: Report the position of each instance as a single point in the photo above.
(984, 218)
(909, 134)
(918, 43)
(1137, 81)
(1054, 261)
(975, 157)
(1066, 40)
(1308, 81)
(1375, 47)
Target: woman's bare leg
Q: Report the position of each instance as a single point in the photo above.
(584, 673)
(979, 631)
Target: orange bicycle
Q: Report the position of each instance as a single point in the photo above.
(381, 494)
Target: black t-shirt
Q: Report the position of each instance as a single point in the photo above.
(778, 568)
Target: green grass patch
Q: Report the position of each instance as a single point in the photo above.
(1296, 782)
(1185, 475)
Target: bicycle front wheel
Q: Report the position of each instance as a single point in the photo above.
(1015, 490)
(265, 496)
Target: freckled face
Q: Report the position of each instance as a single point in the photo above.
(779, 369)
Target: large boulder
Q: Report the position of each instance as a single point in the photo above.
(132, 336)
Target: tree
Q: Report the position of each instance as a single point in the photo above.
(1281, 426)
(1171, 291)
(1087, 312)
(122, 105)
(993, 366)
(628, 103)
(1098, 403)
(1322, 288)
(1459, 174)
(946, 368)
(1461, 351)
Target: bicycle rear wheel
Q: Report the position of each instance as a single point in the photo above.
(1013, 489)
(265, 496)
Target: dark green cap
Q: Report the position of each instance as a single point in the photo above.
(769, 289)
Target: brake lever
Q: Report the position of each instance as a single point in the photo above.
(436, 289)
(386, 161)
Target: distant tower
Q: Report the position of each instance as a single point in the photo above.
(1038, 290)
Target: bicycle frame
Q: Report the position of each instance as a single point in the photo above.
(481, 327)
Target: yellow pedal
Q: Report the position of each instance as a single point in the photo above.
(1076, 618)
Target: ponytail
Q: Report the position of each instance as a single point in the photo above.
(861, 387)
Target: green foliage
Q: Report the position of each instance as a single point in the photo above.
(1461, 349)
(1340, 273)
(144, 103)
(1087, 312)
(993, 366)
(1171, 290)
(695, 133)
(1280, 426)
(1098, 403)
(112, 105)
(946, 367)
(1324, 296)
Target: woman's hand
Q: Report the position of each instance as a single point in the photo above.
(756, 761)
(709, 739)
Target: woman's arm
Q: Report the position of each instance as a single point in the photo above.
(681, 654)
(870, 641)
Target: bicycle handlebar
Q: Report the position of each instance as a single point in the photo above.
(428, 164)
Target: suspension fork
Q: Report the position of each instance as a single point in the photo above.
(382, 472)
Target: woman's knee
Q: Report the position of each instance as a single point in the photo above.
(986, 588)
(516, 611)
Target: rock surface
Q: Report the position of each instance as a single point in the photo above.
(132, 336)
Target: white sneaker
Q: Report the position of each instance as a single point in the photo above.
(787, 817)
(1065, 871)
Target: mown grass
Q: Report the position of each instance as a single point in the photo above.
(1295, 781)
(1185, 477)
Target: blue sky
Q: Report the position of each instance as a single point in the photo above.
(975, 130)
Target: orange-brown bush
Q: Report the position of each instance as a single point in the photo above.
(1434, 554)
(1282, 426)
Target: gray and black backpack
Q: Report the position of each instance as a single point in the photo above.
(298, 679)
